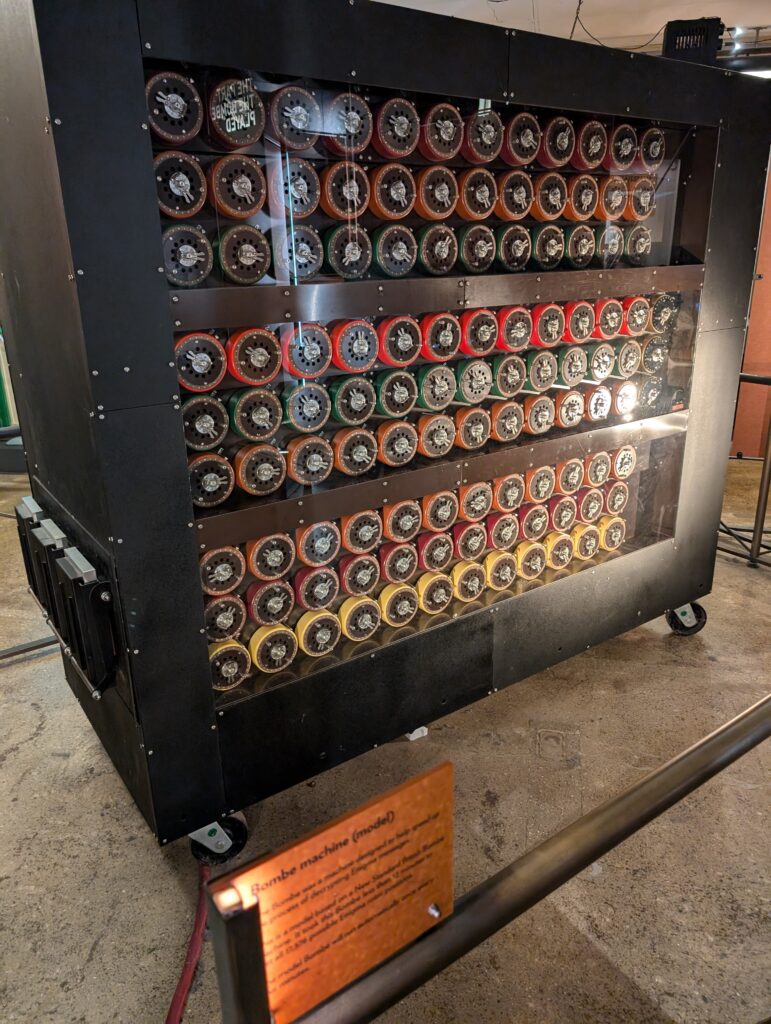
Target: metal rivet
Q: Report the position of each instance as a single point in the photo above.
(101, 415)
(286, 292)
(79, 273)
(57, 120)
(287, 316)
(353, 74)
(160, 271)
(127, 369)
(144, 127)
(177, 323)
(94, 373)
(175, 298)
(147, 46)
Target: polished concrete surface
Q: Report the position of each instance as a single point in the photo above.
(671, 926)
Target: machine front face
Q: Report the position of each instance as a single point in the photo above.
(422, 359)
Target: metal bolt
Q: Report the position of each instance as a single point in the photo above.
(287, 316)
(160, 271)
(127, 369)
(353, 74)
(70, 277)
(144, 127)
(505, 93)
(135, 651)
(94, 373)
(101, 415)
(190, 526)
(79, 273)
(105, 596)
(120, 540)
(147, 46)
(177, 323)
(171, 364)
(57, 120)
(175, 298)
(301, 522)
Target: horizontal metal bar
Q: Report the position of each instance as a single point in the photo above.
(260, 305)
(518, 887)
(9, 433)
(258, 517)
(747, 558)
(28, 647)
(755, 378)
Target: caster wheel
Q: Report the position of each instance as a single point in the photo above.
(222, 570)
(254, 356)
(224, 618)
(294, 118)
(437, 249)
(237, 187)
(348, 125)
(583, 196)
(188, 256)
(180, 184)
(513, 247)
(392, 191)
(260, 469)
(361, 531)
(354, 345)
(205, 421)
(296, 187)
(174, 108)
(580, 246)
(255, 414)
(234, 827)
(395, 250)
(686, 620)
(243, 254)
(548, 246)
(236, 113)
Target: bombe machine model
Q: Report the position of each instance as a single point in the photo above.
(359, 376)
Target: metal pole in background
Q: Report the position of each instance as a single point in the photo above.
(521, 885)
(760, 511)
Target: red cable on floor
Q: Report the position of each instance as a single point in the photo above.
(193, 955)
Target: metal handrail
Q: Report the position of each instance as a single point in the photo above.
(495, 903)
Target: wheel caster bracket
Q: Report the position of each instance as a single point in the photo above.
(687, 619)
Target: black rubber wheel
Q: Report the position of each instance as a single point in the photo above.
(678, 627)
(236, 829)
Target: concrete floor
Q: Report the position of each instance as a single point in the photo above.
(94, 918)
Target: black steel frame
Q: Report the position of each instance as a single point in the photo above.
(89, 323)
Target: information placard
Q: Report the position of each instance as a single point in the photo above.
(349, 895)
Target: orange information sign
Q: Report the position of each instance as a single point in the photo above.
(349, 895)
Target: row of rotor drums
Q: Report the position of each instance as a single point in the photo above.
(256, 356)
(236, 187)
(328, 580)
(244, 254)
(260, 469)
(236, 113)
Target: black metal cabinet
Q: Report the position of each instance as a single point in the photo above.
(89, 321)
